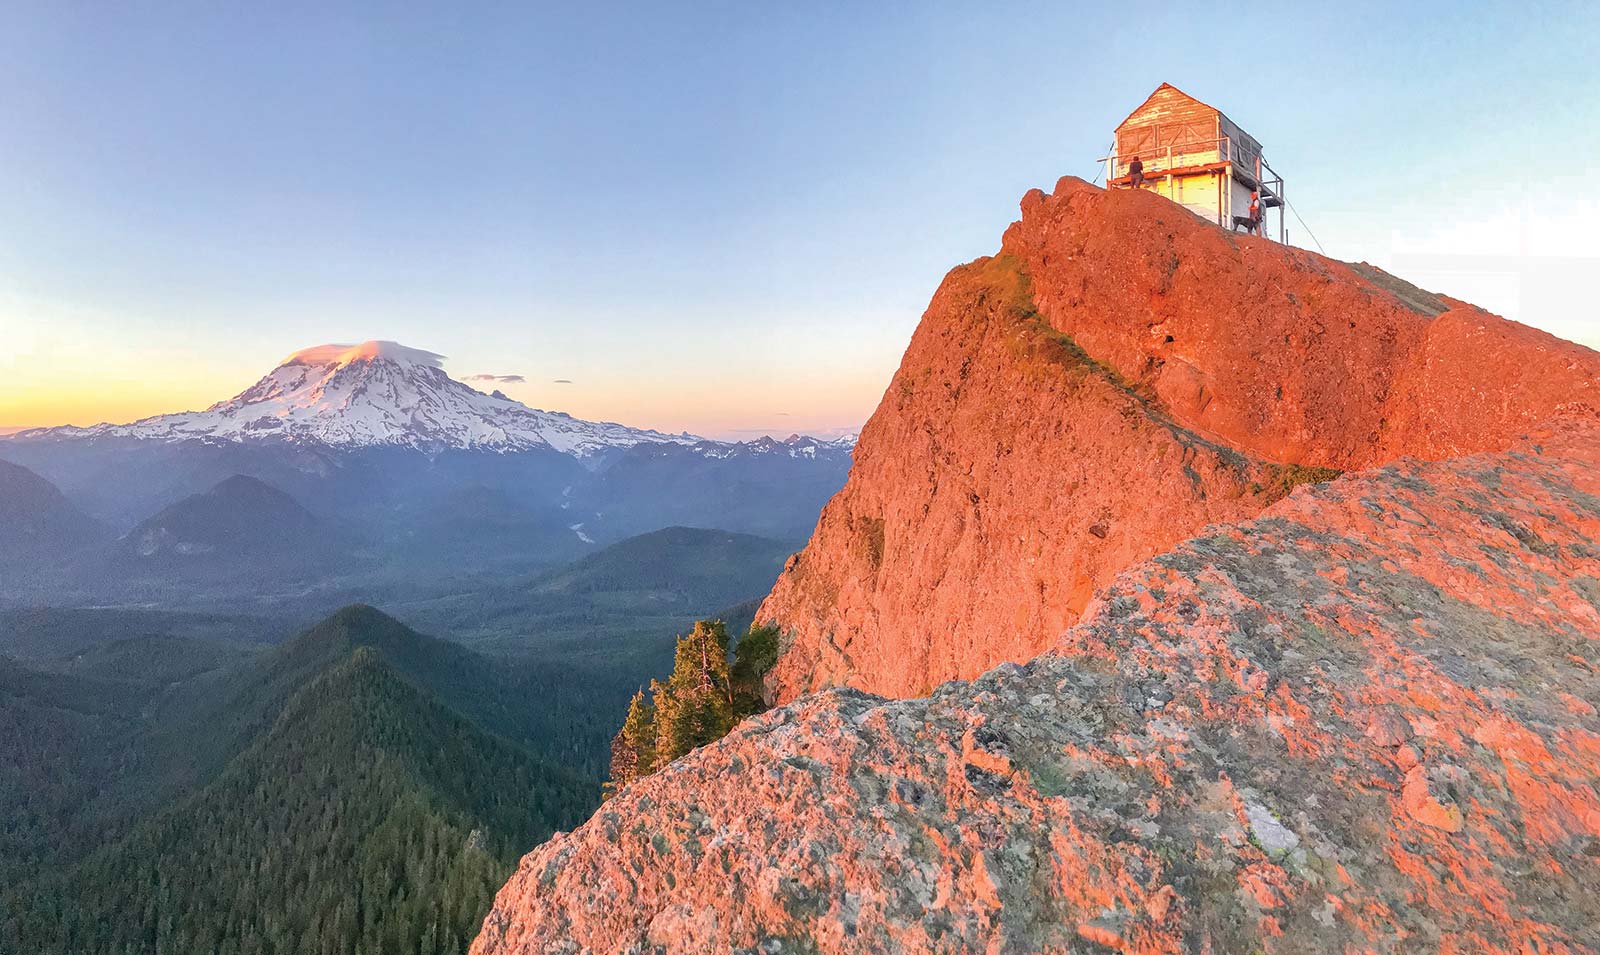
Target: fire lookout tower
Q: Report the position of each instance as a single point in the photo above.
(1197, 157)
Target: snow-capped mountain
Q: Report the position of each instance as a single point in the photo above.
(379, 435)
(794, 446)
(377, 393)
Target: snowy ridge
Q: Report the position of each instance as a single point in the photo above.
(345, 354)
(377, 393)
(794, 446)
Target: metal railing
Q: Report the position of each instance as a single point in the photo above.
(1174, 157)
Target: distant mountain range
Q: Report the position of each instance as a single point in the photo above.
(375, 394)
(372, 453)
(277, 790)
(384, 394)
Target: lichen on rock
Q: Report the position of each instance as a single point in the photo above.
(1191, 768)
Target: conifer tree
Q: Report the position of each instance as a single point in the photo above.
(640, 731)
(633, 749)
(666, 710)
(702, 697)
(754, 655)
(698, 704)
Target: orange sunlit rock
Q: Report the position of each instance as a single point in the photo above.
(1288, 716)
(1155, 802)
(1120, 376)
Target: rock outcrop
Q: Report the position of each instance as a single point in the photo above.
(1275, 582)
(1365, 721)
(1118, 377)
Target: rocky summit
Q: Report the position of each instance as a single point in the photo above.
(1221, 598)
(1363, 722)
(1119, 376)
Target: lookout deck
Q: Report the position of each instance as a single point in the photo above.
(1193, 154)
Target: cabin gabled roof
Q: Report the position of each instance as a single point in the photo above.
(1169, 86)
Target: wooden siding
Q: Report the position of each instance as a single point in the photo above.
(1202, 193)
(1199, 180)
(1169, 118)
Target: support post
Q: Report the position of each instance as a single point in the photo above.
(1283, 209)
(1227, 196)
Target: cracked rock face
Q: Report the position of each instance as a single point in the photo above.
(1365, 721)
(1120, 376)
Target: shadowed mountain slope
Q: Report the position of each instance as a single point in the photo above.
(38, 525)
(359, 789)
(238, 519)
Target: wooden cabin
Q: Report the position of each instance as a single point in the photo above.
(1196, 156)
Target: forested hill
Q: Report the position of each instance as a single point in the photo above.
(363, 810)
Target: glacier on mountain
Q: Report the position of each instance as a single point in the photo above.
(377, 393)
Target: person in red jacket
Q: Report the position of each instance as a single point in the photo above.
(1255, 213)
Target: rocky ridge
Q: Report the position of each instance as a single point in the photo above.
(1365, 721)
(1305, 566)
(1119, 376)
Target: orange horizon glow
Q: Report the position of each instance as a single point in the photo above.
(843, 405)
(49, 408)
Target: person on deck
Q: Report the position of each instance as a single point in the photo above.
(1135, 173)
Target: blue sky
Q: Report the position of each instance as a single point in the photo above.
(725, 218)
